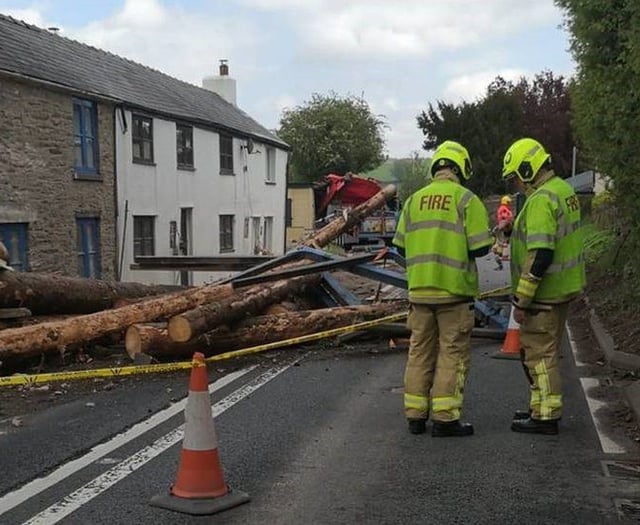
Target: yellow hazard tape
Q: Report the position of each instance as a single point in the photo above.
(114, 372)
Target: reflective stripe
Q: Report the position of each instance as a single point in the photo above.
(442, 225)
(416, 402)
(440, 404)
(464, 200)
(526, 287)
(199, 433)
(548, 401)
(566, 229)
(567, 265)
(441, 259)
(541, 237)
(479, 239)
(535, 397)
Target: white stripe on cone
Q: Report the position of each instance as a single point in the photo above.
(199, 431)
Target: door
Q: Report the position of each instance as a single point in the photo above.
(186, 244)
(255, 235)
(89, 264)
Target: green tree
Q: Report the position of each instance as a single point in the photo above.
(412, 175)
(332, 134)
(506, 112)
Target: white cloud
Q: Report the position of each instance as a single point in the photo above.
(178, 41)
(472, 86)
(30, 15)
(405, 28)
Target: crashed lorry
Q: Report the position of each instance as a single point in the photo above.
(335, 195)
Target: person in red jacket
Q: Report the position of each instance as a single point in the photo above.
(504, 222)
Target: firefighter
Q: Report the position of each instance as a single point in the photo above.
(504, 222)
(443, 227)
(547, 272)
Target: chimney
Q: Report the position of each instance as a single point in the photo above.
(223, 84)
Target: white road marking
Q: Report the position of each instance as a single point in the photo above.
(574, 348)
(97, 486)
(608, 446)
(18, 496)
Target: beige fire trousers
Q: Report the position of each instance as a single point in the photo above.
(541, 336)
(438, 360)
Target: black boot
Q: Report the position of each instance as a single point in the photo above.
(417, 426)
(451, 428)
(522, 414)
(535, 426)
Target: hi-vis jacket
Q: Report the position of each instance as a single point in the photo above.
(438, 227)
(551, 219)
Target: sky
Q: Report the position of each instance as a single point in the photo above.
(399, 55)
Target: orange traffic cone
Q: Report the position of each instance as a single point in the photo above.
(511, 345)
(200, 487)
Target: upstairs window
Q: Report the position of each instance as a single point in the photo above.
(271, 166)
(184, 146)
(143, 235)
(85, 130)
(142, 139)
(226, 233)
(226, 154)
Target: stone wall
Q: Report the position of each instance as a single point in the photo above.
(38, 183)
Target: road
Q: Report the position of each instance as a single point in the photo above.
(317, 435)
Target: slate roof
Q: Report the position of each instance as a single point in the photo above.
(40, 54)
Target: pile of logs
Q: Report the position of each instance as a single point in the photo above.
(165, 321)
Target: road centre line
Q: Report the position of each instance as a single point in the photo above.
(105, 481)
(29, 490)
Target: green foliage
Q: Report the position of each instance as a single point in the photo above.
(606, 45)
(413, 174)
(508, 111)
(597, 243)
(332, 134)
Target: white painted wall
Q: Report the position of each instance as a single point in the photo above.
(162, 189)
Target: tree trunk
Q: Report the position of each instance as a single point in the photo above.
(50, 294)
(155, 341)
(338, 226)
(187, 325)
(33, 340)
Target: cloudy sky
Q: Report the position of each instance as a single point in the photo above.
(399, 54)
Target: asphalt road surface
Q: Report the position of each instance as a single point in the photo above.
(317, 436)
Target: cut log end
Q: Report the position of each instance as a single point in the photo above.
(180, 329)
(132, 341)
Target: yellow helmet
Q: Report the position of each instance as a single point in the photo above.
(505, 199)
(524, 159)
(450, 152)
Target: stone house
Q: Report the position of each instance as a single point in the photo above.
(103, 159)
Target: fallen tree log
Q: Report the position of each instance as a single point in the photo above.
(155, 340)
(50, 294)
(338, 226)
(187, 325)
(33, 340)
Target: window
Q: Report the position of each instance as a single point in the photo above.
(271, 166)
(142, 139)
(85, 145)
(15, 237)
(89, 247)
(184, 145)
(144, 242)
(226, 154)
(267, 235)
(226, 233)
